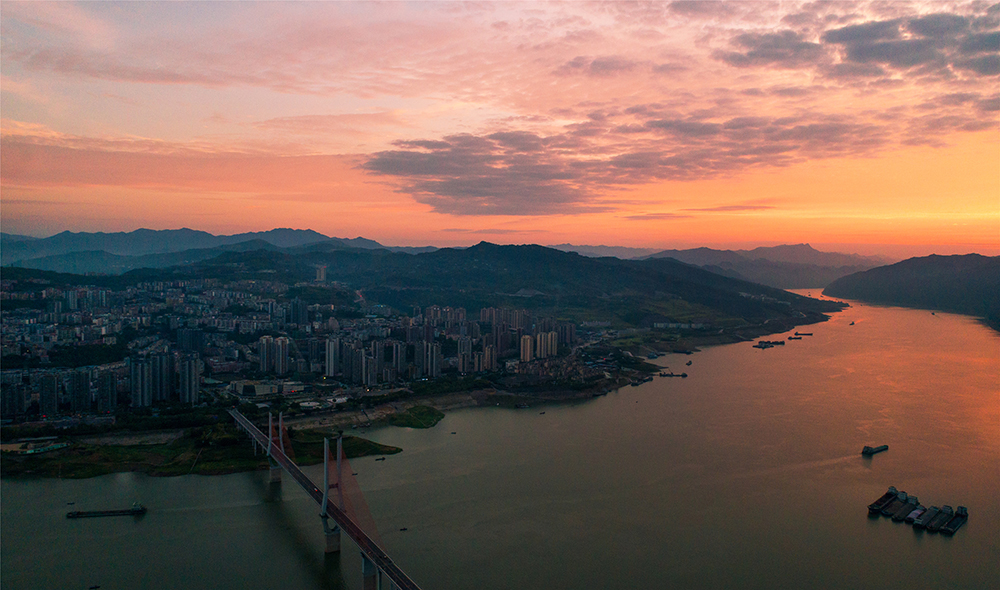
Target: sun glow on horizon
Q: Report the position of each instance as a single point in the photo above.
(659, 125)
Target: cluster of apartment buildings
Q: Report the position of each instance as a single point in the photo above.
(174, 334)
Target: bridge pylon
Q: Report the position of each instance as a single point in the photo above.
(332, 534)
(274, 473)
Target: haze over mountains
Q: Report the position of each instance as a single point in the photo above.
(635, 293)
(797, 266)
(785, 267)
(968, 284)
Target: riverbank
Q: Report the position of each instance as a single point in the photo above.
(213, 451)
(219, 449)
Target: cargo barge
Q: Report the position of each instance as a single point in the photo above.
(903, 507)
(956, 522)
(136, 510)
(877, 506)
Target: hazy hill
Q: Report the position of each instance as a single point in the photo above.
(623, 252)
(797, 266)
(123, 251)
(101, 262)
(562, 284)
(566, 284)
(967, 284)
(6, 239)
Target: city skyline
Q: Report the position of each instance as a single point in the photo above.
(863, 127)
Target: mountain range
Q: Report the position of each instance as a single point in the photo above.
(798, 266)
(784, 267)
(967, 284)
(556, 283)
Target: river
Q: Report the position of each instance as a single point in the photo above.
(747, 474)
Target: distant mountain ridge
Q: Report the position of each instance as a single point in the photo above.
(967, 284)
(783, 267)
(796, 266)
(623, 252)
(561, 284)
(123, 251)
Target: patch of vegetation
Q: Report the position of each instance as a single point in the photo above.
(308, 446)
(83, 355)
(417, 417)
(211, 450)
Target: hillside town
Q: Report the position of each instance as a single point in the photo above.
(81, 353)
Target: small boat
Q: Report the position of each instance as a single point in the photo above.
(915, 514)
(795, 337)
(877, 506)
(895, 505)
(852, 323)
(911, 505)
(803, 334)
(541, 413)
(380, 459)
(956, 522)
(403, 530)
(921, 521)
(869, 451)
(942, 518)
(689, 363)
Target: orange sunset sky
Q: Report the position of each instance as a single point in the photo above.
(854, 126)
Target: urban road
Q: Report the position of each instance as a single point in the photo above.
(368, 547)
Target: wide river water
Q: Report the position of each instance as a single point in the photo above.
(747, 474)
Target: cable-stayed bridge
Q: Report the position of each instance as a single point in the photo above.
(375, 563)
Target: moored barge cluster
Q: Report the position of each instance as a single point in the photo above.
(903, 507)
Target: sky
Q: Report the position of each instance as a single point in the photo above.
(871, 127)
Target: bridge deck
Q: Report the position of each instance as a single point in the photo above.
(368, 547)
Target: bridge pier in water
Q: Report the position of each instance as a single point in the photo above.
(369, 574)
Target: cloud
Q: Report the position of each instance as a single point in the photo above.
(602, 66)
(686, 128)
(657, 216)
(569, 172)
(784, 49)
(731, 208)
(355, 123)
(548, 114)
(939, 44)
(989, 104)
(980, 43)
(864, 33)
(938, 25)
(492, 232)
(901, 53)
(500, 174)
